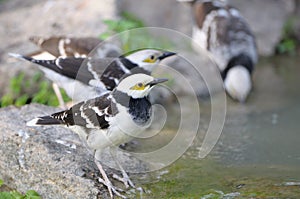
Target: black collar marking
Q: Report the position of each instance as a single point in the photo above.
(139, 109)
(127, 63)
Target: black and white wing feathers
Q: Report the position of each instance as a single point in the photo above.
(92, 113)
(104, 74)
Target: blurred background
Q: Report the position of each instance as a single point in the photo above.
(257, 155)
(275, 24)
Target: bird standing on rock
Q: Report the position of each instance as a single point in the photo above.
(223, 31)
(112, 119)
(96, 76)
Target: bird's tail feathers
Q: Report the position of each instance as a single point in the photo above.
(52, 64)
(46, 120)
(18, 56)
(23, 57)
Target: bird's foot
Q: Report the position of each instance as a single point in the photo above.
(112, 189)
(126, 181)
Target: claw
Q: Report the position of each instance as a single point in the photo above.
(125, 180)
(112, 189)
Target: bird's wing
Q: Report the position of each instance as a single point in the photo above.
(66, 46)
(81, 46)
(49, 45)
(241, 36)
(92, 113)
(68, 67)
(88, 71)
(103, 74)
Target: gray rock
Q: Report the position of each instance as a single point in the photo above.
(50, 160)
(297, 21)
(267, 19)
(21, 19)
(168, 13)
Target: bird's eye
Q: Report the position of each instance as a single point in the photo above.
(150, 59)
(138, 86)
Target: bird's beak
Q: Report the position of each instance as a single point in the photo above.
(157, 81)
(165, 55)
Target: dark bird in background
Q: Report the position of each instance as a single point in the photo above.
(222, 30)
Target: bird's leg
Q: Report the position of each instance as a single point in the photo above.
(58, 95)
(125, 179)
(111, 189)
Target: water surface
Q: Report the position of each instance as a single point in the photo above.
(258, 153)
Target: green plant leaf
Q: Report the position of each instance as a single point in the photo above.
(7, 100)
(16, 83)
(22, 100)
(1, 182)
(52, 101)
(111, 24)
(21, 88)
(37, 77)
(31, 194)
(16, 195)
(105, 35)
(130, 17)
(6, 195)
(288, 43)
